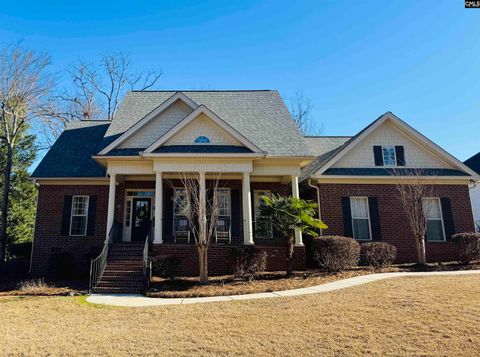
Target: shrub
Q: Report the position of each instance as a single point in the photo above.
(33, 286)
(469, 246)
(61, 266)
(378, 254)
(167, 267)
(248, 262)
(21, 250)
(334, 253)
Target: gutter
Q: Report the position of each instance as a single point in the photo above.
(309, 182)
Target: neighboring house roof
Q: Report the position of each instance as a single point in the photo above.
(71, 154)
(327, 159)
(474, 163)
(259, 115)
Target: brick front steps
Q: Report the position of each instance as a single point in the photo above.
(124, 271)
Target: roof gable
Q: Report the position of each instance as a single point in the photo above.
(259, 115)
(167, 114)
(474, 163)
(434, 156)
(202, 122)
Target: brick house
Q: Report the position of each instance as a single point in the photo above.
(120, 180)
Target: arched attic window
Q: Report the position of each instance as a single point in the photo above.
(202, 140)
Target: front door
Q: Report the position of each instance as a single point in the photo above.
(140, 219)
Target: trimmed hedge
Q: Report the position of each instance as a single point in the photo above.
(378, 254)
(248, 261)
(167, 267)
(469, 246)
(335, 253)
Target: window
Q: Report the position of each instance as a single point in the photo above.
(360, 218)
(432, 211)
(223, 201)
(389, 158)
(180, 202)
(263, 225)
(128, 210)
(202, 140)
(79, 216)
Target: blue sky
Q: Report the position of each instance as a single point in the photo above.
(354, 59)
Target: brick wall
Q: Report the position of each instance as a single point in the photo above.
(219, 260)
(393, 221)
(48, 236)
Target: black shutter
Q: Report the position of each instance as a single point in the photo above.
(236, 208)
(378, 155)
(67, 210)
(374, 218)
(92, 214)
(448, 222)
(400, 155)
(168, 213)
(347, 217)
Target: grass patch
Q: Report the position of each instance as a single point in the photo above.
(407, 316)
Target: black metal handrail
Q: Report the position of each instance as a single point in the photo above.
(97, 265)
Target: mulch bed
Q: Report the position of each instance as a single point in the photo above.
(186, 287)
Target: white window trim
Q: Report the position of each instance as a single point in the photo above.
(394, 155)
(368, 216)
(256, 210)
(441, 220)
(87, 203)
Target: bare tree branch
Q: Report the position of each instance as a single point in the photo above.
(301, 111)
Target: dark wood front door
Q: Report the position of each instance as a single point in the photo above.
(141, 219)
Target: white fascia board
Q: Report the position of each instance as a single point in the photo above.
(146, 119)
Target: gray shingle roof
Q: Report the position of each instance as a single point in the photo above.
(324, 147)
(70, 156)
(260, 116)
(474, 163)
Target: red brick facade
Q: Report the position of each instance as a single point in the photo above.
(393, 222)
(49, 239)
(394, 227)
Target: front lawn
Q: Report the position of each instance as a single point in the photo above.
(407, 316)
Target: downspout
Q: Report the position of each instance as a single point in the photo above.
(318, 202)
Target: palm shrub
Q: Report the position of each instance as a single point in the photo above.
(288, 214)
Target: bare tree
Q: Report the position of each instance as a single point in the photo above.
(202, 215)
(96, 89)
(412, 188)
(25, 85)
(301, 111)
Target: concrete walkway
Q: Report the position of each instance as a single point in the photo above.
(140, 300)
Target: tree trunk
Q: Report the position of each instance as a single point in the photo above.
(421, 255)
(290, 241)
(203, 263)
(4, 207)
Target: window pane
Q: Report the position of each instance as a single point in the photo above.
(389, 156)
(359, 207)
(434, 230)
(223, 200)
(79, 206)
(263, 225)
(361, 229)
(79, 225)
(431, 208)
(180, 202)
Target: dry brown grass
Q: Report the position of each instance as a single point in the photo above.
(409, 316)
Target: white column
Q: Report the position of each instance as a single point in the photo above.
(247, 210)
(203, 202)
(295, 193)
(157, 237)
(111, 202)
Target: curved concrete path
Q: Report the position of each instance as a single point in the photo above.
(140, 300)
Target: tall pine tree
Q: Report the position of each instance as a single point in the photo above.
(22, 202)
